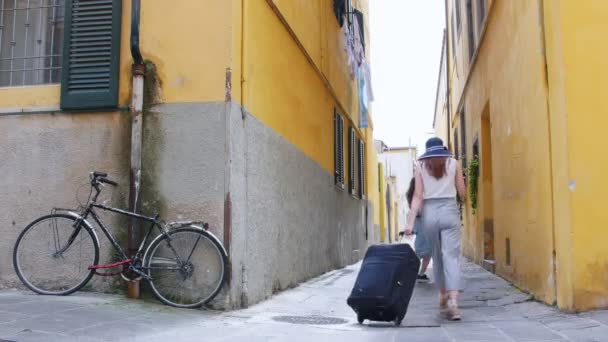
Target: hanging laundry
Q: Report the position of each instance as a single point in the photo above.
(361, 26)
(363, 99)
(348, 49)
(358, 52)
(368, 80)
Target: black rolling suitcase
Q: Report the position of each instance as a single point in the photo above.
(385, 283)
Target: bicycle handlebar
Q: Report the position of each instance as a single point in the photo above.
(98, 174)
(100, 177)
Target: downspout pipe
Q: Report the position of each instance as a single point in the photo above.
(135, 14)
(447, 72)
(137, 101)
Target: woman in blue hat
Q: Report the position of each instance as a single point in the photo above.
(438, 181)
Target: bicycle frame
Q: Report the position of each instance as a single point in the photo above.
(89, 210)
(153, 220)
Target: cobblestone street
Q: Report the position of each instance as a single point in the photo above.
(315, 311)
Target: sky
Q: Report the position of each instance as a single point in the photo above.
(406, 38)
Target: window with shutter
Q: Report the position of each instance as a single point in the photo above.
(91, 54)
(361, 169)
(463, 137)
(351, 161)
(338, 150)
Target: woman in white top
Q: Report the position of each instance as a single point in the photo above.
(438, 180)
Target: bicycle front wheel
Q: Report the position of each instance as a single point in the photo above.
(52, 255)
(187, 267)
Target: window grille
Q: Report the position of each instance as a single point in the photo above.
(31, 42)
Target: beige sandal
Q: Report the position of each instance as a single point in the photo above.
(443, 303)
(453, 312)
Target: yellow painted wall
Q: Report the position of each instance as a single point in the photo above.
(372, 188)
(190, 70)
(316, 28)
(289, 91)
(441, 126)
(576, 57)
(547, 148)
(382, 216)
(286, 57)
(508, 79)
(560, 155)
(394, 209)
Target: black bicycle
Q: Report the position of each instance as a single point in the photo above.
(58, 254)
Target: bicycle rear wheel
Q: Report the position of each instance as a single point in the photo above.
(53, 253)
(187, 267)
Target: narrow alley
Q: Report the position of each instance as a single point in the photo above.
(314, 311)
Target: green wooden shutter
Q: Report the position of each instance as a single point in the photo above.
(361, 169)
(91, 54)
(337, 165)
(338, 149)
(351, 160)
(341, 133)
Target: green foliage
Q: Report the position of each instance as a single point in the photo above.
(473, 177)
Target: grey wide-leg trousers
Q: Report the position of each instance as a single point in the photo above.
(441, 219)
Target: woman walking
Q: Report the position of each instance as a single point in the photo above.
(438, 181)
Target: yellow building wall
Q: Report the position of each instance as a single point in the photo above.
(286, 58)
(372, 186)
(383, 204)
(290, 91)
(508, 83)
(577, 57)
(314, 25)
(189, 70)
(441, 126)
(459, 65)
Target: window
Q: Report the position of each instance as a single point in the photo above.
(338, 150)
(471, 30)
(361, 169)
(343, 8)
(475, 148)
(456, 145)
(457, 10)
(31, 42)
(352, 180)
(361, 26)
(463, 137)
(349, 13)
(72, 42)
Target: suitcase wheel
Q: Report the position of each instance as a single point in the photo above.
(398, 321)
(360, 319)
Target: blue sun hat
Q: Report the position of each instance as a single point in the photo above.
(435, 148)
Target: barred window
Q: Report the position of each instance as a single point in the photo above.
(31, 42)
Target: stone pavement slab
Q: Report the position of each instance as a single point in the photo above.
(314, 311)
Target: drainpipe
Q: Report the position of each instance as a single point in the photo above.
(137, 101)
(447, 72)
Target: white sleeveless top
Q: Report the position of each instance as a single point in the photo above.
(445, 187)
